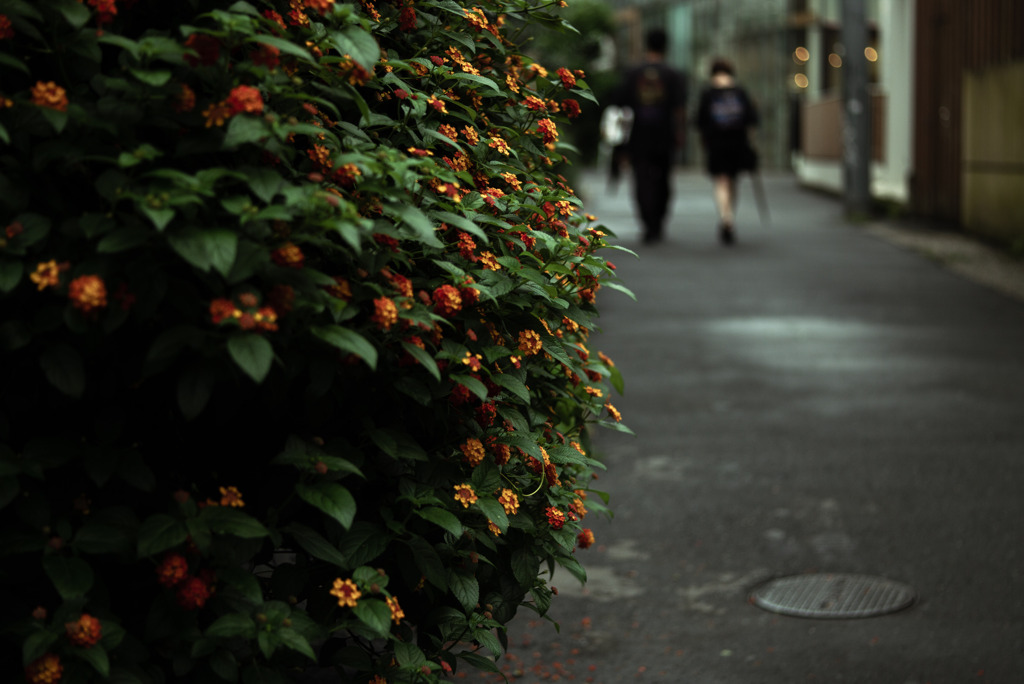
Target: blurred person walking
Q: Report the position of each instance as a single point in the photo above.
(725, 117)
(656, 94)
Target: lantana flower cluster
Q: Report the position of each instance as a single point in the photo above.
(318, 253)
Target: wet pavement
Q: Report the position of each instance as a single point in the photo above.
(819, 398)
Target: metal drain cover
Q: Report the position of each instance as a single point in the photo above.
(833, 596)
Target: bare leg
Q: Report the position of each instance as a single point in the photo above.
(725, 200)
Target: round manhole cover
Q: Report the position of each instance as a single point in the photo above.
(833, 596)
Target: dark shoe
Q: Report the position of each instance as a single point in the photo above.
(726, 234)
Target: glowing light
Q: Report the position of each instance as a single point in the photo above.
(871, 54)
(801, 81)
(801, 55)
(835, 60)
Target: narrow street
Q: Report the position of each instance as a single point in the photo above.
(814, 399)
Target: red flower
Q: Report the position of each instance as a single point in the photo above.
(85, 631)
(571, 108)
(556, 518)
(385, 313)
(407, 18)
(192, 593)
(185, 101)
(221, 309)
(105, 9)
(172, 570)
(447, 300)
(50, 95)
(6, 29)
(275, 17)
(207, 49)
(267, 55)
(585, 539)
(245, 99)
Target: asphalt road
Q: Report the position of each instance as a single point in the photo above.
(814, 399)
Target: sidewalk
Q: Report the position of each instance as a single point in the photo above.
(818, 398)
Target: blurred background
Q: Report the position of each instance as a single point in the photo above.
(945, 83)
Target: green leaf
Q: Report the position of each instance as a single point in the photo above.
(465, 588)
(358, 44)
(74, 13)
(64, 368)
(419, 222)
(160, 532)
(478, 662)
(494, 511)
(224, 665)
(95, 656)
(232, 625)
(429, 562)
(513, 385)
(242, 130)
(525, 567)
(263, 182)
(195, 387)
(8, 60)
(206, 248)
(573, 566)
(616, 379)
(332, 499)
(72, 577)
(315, 545)
(473, 385)
(442, 518)
(123, 239)
(36, 645)
(228, 520)
(424, 358)
(160, 217)
(348, 341)
(375, 614)
(252, 353)
(488, 640)
(57, 119)
(295, 641)
(156, 78)
(10, 275)
(285, 46)
(409, 655)
(461, 222)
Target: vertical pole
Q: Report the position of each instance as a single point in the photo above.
(856, 111)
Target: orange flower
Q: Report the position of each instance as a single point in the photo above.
(47, 274)
(509, 501)
(85, 631)
(50, 95)
(548, 131)
(499, 144)
(221, 309)
(464, 494)
(342, 290)
(534, 103)
(472, 137)
(192, 593)
(494, 529)
(556, 518)
(568, 79)
(385, 313)
(347, 592)
(489, 261)
(87, 293)
(45, 670)
(217, 113)
(614, 413)
(571, 108)
(529, 342)
(473, 451)
(447, 300)
(245, 99)
(186, 100)
(448, 131)
(230, 496)
(290, 255)
(321, 6)
(585, 539)
(172, 570)
(396, 611)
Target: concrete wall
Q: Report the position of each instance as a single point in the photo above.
(992, 198)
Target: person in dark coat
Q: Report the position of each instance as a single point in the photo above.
(725, 117)
(656, 94)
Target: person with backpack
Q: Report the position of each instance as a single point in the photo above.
(725, 115)
(656, 95)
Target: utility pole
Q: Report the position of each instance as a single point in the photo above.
(856, 111)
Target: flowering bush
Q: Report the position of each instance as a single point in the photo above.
(294, 324)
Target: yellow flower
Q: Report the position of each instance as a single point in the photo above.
(614, 413)
(509, 501)
(464, 494)
(347, 592)
(47, 274)
(230, 496)
(473, 451)
(396, 611)
(529, 342)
